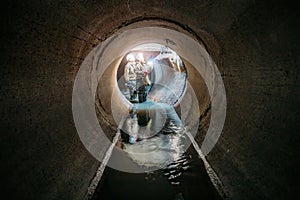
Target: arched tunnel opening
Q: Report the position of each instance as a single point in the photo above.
(169, 83)
(158, 113)
(213, 115)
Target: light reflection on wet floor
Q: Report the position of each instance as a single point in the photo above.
(172, 167)
(165, 150)
(181, 176)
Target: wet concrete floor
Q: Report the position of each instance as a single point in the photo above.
(194, 184)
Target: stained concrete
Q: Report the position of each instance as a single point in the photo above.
(254, 44)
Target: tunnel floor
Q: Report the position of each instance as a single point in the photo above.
(194, 184)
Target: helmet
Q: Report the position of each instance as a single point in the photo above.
(130, 57)
(140, 57)
(150, 65)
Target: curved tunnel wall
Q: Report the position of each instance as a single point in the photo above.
(99, 60)
(108, 92)
(254, 45)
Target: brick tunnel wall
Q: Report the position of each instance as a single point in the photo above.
(253, 43)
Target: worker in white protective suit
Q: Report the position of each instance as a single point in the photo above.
(131, 76)
(143, 82)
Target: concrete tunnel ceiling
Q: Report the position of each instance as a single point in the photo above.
(113, 49)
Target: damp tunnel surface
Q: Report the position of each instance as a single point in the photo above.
(252, 44)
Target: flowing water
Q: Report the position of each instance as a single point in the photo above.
(166, 151)
(179, 173)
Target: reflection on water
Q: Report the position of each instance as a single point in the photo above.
(165, 150)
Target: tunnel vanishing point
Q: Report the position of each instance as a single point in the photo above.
(241, 60)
